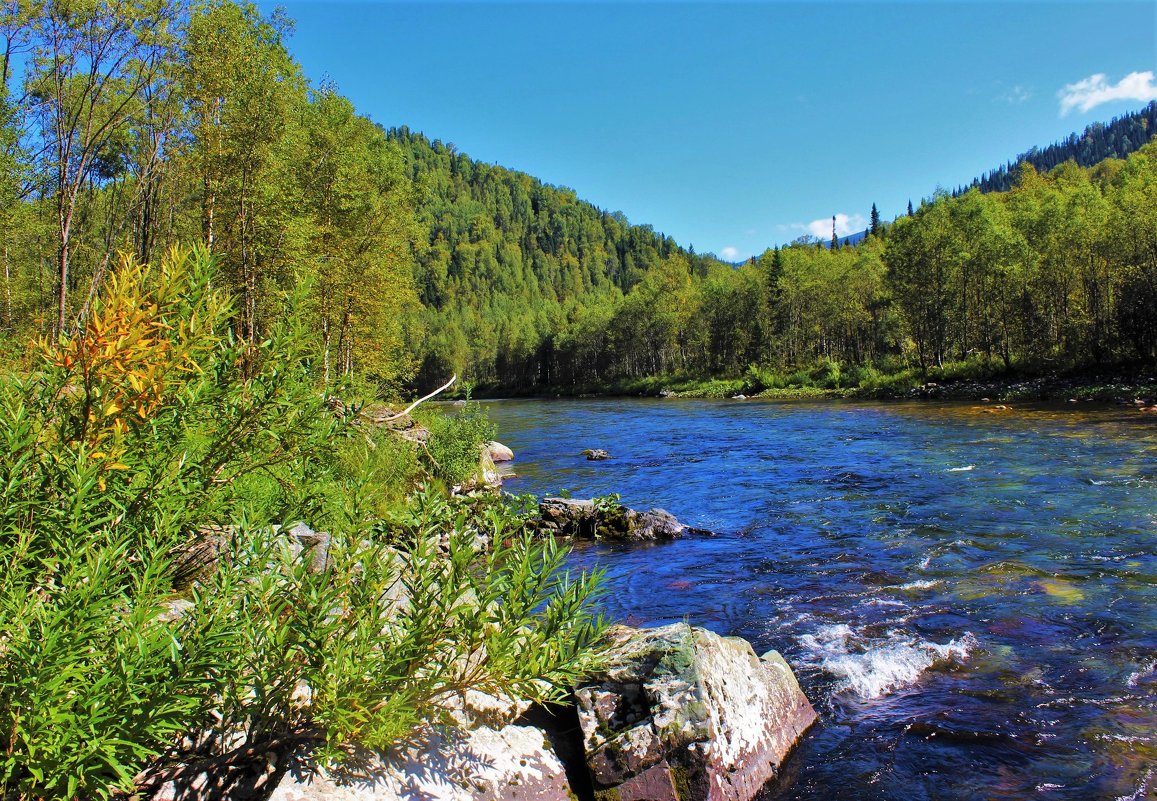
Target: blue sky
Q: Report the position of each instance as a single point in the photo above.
(733, 126)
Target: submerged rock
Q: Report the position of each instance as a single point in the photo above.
(680, 713)
(606, 520)
(595, 454)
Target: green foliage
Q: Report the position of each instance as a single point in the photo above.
(609, 503)
(373, 476)
(92, 685)
(152, 609)
(472, 601)
(456, 443)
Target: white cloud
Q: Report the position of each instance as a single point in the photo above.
(1015, 96)
(1096, 89)
(730, 253)
(845, 224)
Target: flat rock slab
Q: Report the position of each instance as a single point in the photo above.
(682, 714)
(513, 763)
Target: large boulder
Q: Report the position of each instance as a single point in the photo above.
(681, 714)
(606, 520)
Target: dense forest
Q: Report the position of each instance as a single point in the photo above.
(512, 269)
(193, 123)
(1099, 141)
(130, 127)
(526, 287)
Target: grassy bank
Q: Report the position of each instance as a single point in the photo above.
(965, 380)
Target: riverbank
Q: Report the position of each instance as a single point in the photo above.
(952, 382)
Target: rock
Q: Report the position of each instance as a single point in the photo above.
(477, 708)
(655, 524)
(488, 475)
(595, 454)
(606, 520)
(487, 478)
(175, 610)
(568, 517)
(499, 452)
(680, 713)
(666, 393)
(306, 543)
(412, 432)
(506, 764)
(740, 396)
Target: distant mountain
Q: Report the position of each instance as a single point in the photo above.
(850, 239)
(1099, 141)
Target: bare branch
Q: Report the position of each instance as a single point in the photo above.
(423, 399)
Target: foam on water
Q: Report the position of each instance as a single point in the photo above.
(964, 469)
(1145, 672)
(873, 667)
(920, 584)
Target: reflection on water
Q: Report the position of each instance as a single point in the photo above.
(966, 595)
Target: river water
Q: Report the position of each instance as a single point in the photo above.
(965, 592)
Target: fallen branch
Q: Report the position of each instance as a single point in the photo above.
(414, 405)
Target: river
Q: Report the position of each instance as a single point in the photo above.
(966, 592)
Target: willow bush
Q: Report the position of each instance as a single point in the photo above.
(152, 431)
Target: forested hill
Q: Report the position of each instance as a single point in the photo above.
(525, 288)
(511, 268)
(1099, 141)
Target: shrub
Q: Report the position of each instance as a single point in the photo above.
(151, 431)
(827, 375)
(456, 442)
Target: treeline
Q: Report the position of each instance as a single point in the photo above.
(132, 126)
(1059, 272)
(1113, 140)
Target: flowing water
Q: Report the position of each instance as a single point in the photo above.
(966, 593)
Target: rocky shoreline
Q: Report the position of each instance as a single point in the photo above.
(673, 713)
(677, 713)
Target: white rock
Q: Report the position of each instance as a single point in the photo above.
(499, 452)
(682, 707)
(507, 764)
